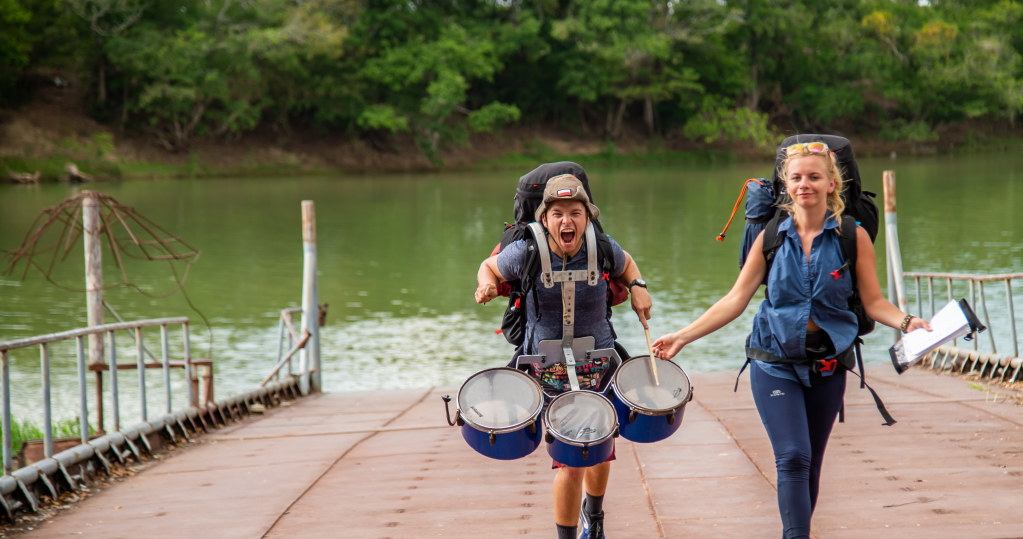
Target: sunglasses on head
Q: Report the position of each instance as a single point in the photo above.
(807, 147)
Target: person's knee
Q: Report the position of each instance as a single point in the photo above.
(574, 475)
(793, 462)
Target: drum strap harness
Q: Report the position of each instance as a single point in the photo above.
(568, 278)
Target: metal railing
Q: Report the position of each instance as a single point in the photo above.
(985, 361)
(25, 487)
(286, 332)
(80, 336)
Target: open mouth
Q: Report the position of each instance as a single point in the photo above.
(567, 237)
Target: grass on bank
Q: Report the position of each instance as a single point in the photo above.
(94, 157)
(52, 169)
(22, 431)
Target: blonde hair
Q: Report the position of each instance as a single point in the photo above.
(835, 203)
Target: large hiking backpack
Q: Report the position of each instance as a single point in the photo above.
(764, 196)
(528, 197)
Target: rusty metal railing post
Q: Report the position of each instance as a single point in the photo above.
(310, 357)
(115, 398)
(1012, 316)
(83, 390)
(280, 343)
(140, 358)
(165, 359)
(193, 399)
(44, 368)
(6, 382)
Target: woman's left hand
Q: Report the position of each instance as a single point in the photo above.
(917, 323)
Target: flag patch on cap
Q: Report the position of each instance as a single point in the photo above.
(564, 193)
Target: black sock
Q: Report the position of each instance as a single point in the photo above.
(567, 532)
(594, 504)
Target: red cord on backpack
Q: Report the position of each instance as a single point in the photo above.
(721, 236)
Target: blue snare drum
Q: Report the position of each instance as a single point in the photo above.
(499, 412)
(649, 411)
(581, 428)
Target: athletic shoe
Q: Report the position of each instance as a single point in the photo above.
(592, 524)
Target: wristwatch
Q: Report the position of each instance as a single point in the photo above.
(637, 282)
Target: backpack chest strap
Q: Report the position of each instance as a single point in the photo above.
(548, 276)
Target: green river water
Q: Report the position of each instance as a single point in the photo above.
(398, 256)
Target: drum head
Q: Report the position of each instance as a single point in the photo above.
(581, 416)
(634, 383)
(499, 398)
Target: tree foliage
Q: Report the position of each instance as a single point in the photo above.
(384, 70)
(14, 45)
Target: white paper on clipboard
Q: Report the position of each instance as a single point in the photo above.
(949, 323)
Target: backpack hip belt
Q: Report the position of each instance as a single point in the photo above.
(847, 359)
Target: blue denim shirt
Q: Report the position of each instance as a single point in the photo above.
(798, 291)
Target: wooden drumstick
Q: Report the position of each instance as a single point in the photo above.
(653, 360)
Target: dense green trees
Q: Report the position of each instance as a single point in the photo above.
(732, 70)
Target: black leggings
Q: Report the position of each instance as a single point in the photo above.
(798, 420)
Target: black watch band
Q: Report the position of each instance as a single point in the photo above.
(637, 282)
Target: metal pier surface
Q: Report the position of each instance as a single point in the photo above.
(386, 464)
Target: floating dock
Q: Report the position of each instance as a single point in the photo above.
(382, 464)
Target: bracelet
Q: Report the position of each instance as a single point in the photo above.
(905, 322)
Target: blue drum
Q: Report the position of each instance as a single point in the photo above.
(499, 412)
(649, 410)
(581, 428)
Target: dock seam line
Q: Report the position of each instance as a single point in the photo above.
(337, 460)
(646, 488)
(738, 445)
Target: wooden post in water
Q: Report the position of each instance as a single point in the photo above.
(91, 225)
(310, 357)
(894, 254)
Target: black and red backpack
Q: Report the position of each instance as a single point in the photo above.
(528, 197)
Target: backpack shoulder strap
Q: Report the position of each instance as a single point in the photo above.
(546, 273)
(592, 273)
(605, 253)
(847, 238)
(772, 240)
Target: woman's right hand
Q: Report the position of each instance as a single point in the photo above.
(667, 346)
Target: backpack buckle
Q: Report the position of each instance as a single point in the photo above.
(825, 365)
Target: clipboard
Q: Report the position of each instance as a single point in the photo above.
(956, 319)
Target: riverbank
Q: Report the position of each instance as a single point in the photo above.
(41, 140)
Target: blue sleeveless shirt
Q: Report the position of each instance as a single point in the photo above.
(798, 291)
